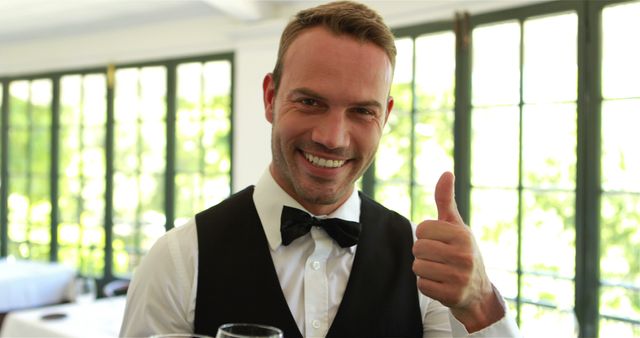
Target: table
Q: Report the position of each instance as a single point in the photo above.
(27, 284)
(97, 319)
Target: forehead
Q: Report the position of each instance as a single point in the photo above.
(318, 55)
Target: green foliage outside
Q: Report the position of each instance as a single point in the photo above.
(139, 163)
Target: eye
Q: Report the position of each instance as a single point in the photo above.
(309, 102)
(364, 111)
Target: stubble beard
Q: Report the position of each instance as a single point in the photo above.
(312, 191)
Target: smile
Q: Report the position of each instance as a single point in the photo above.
(323, 162)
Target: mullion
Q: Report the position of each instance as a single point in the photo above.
(203, 120)
(109, 142)
(170, 120)
(520, 189)
(588, 170)
(53, 193)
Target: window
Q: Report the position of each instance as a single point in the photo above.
(94, 159)
(203, 121)
(551, 187)
(139, 163)
(620, 201)
(81, 174)
(417, 145)
(524, 164)
(29, 204)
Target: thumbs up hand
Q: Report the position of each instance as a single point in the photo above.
(449, 264)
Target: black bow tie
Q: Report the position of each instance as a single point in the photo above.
(296, 223)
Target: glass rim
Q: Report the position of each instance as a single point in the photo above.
(224, 328)
(191, 335)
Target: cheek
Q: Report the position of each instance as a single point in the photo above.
(369, 138)
(284, 129)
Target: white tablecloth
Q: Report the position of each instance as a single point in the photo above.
(27, 284)
(101, 318)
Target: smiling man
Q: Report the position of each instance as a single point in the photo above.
(303, 250)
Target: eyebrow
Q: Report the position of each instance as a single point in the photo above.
(308, 92)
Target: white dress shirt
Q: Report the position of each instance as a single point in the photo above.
(313, 271)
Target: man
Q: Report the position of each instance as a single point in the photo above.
(260, 257)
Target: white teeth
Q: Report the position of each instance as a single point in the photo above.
(324, 163)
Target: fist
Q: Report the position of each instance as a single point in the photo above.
(447, 259)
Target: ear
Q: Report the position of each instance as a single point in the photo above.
(389, 107)
(268, 96)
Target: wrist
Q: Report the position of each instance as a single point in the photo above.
(481, 314)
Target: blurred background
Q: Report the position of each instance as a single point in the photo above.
(121, 119)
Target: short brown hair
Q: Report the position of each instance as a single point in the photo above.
(341, 17)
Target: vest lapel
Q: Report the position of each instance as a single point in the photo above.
(237, 281)
(381, 298)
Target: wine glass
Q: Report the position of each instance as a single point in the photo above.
(246, 330)
(85, 290)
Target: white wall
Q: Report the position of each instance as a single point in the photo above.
(254, 45)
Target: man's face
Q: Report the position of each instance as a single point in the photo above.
(327, 116)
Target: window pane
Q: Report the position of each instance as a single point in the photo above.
(615, 328)
(434, 117)
(620, 202)
(620, 140)
(82, 172)
(559, 34)
(29, 206)
(548, 222)
(202, 137)
(549, 149)
(403, 77)
(394, 196)
(140, 154)
(435, 71)
(620, 52)
(620, 249)
(433, 156)
(394, 153)
(434, 146)
(424, 205)
(496, 64)
(539, 321)
(495, 147)
(493, 220)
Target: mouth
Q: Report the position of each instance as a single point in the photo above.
(323, 162)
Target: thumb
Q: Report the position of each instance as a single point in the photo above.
(445, 199)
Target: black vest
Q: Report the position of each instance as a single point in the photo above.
(237, 281)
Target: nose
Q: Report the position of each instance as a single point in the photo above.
(332, 131)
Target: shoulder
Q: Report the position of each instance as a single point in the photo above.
(174, 252)
(160, 297)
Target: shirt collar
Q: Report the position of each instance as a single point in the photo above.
(269, 198)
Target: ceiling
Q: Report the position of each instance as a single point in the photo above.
(24, 20)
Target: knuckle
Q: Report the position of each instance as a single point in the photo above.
(416, 250)
(465, 260)
(423, 286)
(461, 278)
(415, 266)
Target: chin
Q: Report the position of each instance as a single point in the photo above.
(323, 195)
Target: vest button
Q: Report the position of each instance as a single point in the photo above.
(315, 323)
(315, 265)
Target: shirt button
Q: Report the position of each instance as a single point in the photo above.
(315, 265)
(316, 324)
